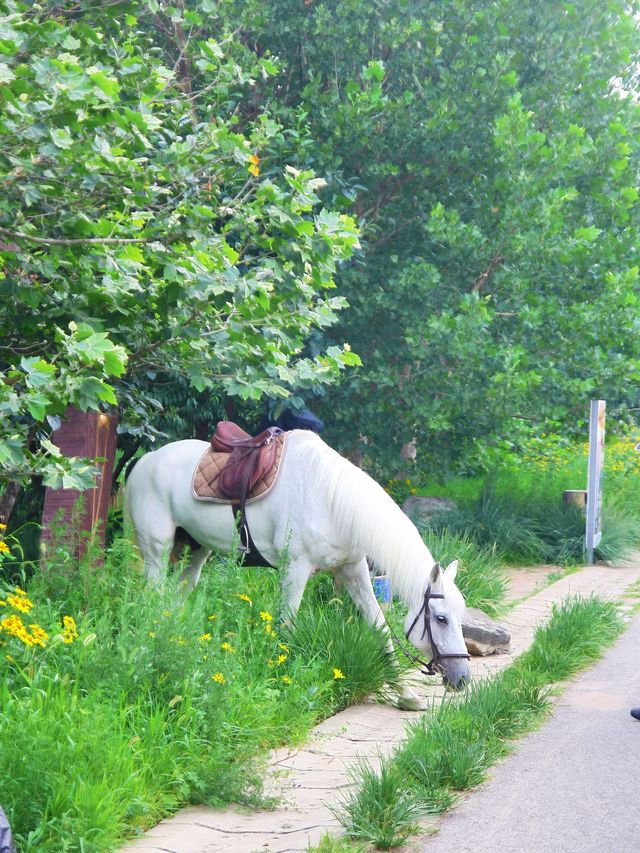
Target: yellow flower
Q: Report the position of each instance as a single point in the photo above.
(212, 617)
(269, 629)
(227, 647)
(3, 603)
(254, 168)
(281, 659)
(270, 662)
(204, 638)
(39, 636)
(152, 634)
(20, 602)
(4, 548)
(166, 613)
(19, 591)
(3, 527)
(286, 679)
(70, 632)
(243, 597)
(10, 658)
(337, 673)
(266, 617)
(283, 647)
(218, 677)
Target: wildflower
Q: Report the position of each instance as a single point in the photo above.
(337, 673)
(269, 629)
(70, 632)
(266, 617)
(283, 647)
(286, 679)
(19, 591)
(227, 647)
(254, 169)
(3, 527)
(212, 617)
(219, 678)
(39, 636)
(20, 602)
(243, 597)
(281, 659)
(3, 603)
(204, 638)
(4, 548)
(14, 627)
(166, 613)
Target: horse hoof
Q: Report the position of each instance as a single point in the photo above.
(411, 703)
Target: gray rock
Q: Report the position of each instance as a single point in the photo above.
(419, 508)
(482, 634)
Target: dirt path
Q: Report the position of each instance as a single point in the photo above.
(310, 780)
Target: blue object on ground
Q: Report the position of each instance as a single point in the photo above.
(382, 589)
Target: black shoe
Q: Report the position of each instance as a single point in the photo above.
(635, 713)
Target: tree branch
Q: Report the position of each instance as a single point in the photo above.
(82, 241)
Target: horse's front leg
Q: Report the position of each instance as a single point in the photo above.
(355, 577)
(296, 575)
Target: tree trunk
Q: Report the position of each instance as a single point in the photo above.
(8, 500)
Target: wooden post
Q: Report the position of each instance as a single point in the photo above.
(89, 435)
(575, 497)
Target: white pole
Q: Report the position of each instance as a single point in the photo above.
(594, 477)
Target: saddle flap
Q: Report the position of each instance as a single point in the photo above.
(250, 459)
(246, 466)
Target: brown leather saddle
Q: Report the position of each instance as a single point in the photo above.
(251, 458)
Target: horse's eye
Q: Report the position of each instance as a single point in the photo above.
(442, 619)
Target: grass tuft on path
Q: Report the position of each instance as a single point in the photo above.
(450, 748)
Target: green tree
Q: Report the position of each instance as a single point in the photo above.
(490, 151)
(144, 230)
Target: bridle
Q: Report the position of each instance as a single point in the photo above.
(432, 666)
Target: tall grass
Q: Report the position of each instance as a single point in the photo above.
(480, 577)
(450, 749)
(160, 699)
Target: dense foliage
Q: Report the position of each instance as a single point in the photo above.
(162, 229)
(145, 238)
(491, 152)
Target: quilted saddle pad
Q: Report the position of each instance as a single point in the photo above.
(204, 485)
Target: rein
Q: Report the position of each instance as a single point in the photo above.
(432, 666)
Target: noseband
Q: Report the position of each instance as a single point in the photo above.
(432, 666)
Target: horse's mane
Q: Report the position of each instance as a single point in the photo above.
(368, 517)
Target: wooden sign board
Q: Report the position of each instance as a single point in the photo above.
(91, 435)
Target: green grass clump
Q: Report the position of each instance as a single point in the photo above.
(573, 638)
(480, 578)
(382, 810)
(142, 699)
(450, 749)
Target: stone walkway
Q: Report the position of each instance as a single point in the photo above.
(309, 780)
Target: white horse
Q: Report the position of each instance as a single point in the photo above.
(323, 513)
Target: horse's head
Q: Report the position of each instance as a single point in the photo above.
(434, 626)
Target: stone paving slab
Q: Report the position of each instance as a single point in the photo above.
(310, 780)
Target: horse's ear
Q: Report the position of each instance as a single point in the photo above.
(436, 573)
(451, 571)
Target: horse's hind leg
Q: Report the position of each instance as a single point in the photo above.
(191, 574)
(155, 546)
